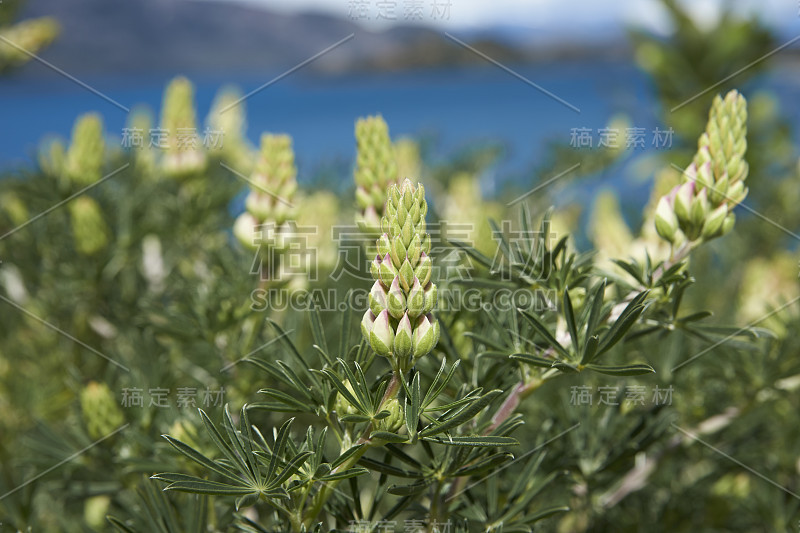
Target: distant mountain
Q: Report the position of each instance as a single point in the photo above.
(102, 36)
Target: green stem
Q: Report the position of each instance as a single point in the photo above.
(436, 504)
(327, 489)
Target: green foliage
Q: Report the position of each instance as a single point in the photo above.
(141, 283)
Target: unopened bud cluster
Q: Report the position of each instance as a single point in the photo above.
(29, 36)
(273, 185)
(183, 156)
(89, 228)
(399, 323)
(100, 411)
(701, 208)
(83, 164)
(376, 170)
(228, 117)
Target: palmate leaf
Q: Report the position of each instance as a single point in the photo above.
(245, 477)
(154, 512)
(201, 459)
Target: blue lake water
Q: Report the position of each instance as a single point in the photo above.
(458, 106)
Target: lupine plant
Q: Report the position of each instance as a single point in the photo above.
(437, 391)
(421, 430)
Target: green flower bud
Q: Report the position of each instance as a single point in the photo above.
(384, 246)
(387, 271)
(699, 209)
(736, 193)
(712, 226)
(431, 298)
(397, 250)
(367, 322)
(727, 225)
(416, 299)
(378, 298)
(396, 418)
(375, 268)
(396, 301)
(84, 160)
(683, 200)
(100, 411)
(89, 229)
(341, 405)
(381, 336)
(426, 335)
(403, 338)
(406, 275)
(666, 221)
(717, 193)
(704, 176)
(424, 268)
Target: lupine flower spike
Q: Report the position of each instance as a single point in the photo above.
(701, 208)
(184, 155)
(399, 324)
(376, 170)
(84, 160)
(269, 204)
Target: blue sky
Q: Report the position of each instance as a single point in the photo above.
(570, 15)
